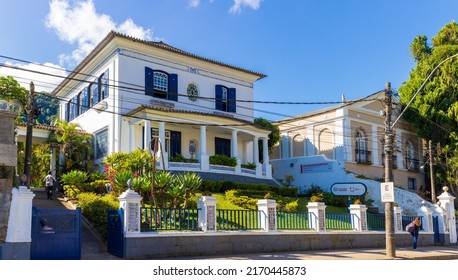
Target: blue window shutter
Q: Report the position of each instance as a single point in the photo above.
(149, 87)
(67, 113)
(218, 96)
(231, 97)
(173, 87)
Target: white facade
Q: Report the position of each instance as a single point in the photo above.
(148, 89)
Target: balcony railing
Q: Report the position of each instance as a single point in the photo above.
(412, 164)
(363, 156)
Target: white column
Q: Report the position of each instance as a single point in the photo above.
(284, 146)
(147, 134)
(291, 146)
(235, 150)
(268, 209)
(131, 137)
(207, 213)
(20, 220)
(129, 201)
(317, 215)
(447, 203)
(163, 153)
(398, 219)
(358, 216)
(204, 158)
(375, 159)
(265, 157)
(256, 156)
(427, 218)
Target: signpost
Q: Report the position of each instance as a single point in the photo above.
(387, 191)
(348, 189)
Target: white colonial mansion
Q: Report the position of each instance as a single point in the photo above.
(128, 91)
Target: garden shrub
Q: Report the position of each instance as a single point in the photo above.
(95, 209)
(223, 160)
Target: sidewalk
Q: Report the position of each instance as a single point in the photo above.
(93, 248)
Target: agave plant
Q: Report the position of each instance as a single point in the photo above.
(189, 183)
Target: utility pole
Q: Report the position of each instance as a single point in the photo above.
(30, 110)
(431, 172)
(389, 213)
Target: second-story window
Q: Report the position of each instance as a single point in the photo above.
(161, 84)
(225, 99)
(361, 153)
(95, 94)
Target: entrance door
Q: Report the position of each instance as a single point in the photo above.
(175, 143)
(222, 146)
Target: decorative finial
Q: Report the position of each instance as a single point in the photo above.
(129, 183)
(445, 188)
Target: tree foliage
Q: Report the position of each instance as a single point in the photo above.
(434, 111)
(274, 135)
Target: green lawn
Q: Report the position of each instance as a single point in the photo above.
(223, 203)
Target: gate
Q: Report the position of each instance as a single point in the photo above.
(115, 242)
(56, 234)
(438, 237)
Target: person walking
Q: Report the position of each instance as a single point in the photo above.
(49, 181)
(416, 230)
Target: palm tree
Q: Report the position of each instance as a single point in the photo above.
(74, 144)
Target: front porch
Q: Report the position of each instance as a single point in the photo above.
(188, 140)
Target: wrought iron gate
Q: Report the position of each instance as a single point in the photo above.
(56, 234)
(115, 233)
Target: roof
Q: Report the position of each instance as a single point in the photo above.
(160, 45)
(180, 111)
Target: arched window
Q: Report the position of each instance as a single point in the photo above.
(411, 162)
(362, 155)
(298, 145)
(326, 143)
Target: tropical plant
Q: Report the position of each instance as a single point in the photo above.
(74, 144)
(189, 183)
(162, 179)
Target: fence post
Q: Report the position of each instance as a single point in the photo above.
(130, 202)
(447, 203)
(358, 216)
(397, 219)
(427, 217)
(268, 209)
(20, 219)
(317, 215)
(206, 206)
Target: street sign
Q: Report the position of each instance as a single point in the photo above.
(387, 191)
(348, 189)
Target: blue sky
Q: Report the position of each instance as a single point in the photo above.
(310, 50)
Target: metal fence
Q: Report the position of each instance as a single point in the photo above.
(293, 220)
(238, 219)
(156, 219)
(339, 221)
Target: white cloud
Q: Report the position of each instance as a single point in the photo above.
(45, 76)
(237, 6)
(194, 3)
(80, 24)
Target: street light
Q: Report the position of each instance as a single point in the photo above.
(389, 215)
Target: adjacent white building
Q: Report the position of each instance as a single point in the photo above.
(128, 91)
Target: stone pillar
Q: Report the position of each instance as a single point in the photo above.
(129, 201)
(163, 152)
(256, 156)
(235, 151)
(20, 224)
(207, 213)
(397, 219)
(317, 219)
(268, 209)
(147, 135)
(265, 157)
(427, 217)
(358, 216)
(284, 146)
(447, 203)
(204, 158)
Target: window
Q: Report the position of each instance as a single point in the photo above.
(103, 83)
(160, 81)
(155, 134)
(222, 146)
(95, 94)
(362, 155)
(83, 100)
(101, 144)
(73, 108)
(411, 184)
(225, 99)
(411, 163)
(161, 84)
